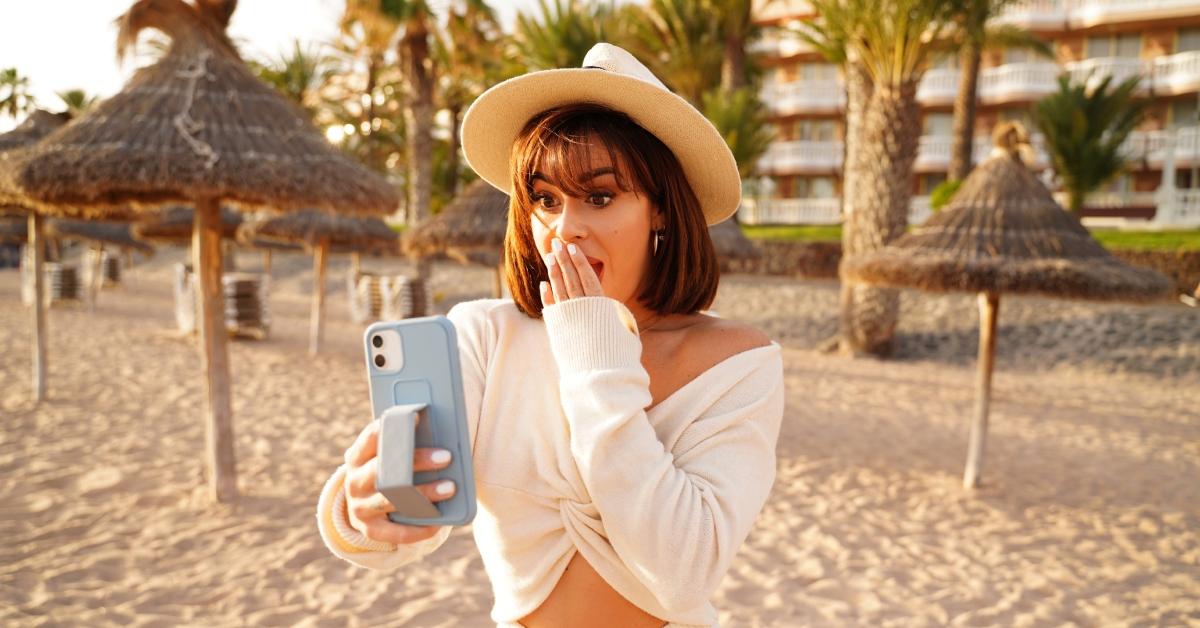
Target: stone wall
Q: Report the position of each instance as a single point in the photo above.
(819, 260)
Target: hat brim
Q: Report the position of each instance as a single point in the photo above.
(493, 121)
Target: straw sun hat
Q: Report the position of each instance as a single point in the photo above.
(612, 77)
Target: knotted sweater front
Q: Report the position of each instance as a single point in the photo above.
(568, 459)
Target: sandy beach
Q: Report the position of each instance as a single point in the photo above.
(1089, 513)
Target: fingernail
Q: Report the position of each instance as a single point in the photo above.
(549, 257)
(440, 456)
(445, 487)
(556, 244)
(572, 249)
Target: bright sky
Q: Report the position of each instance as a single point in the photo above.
(68, 44)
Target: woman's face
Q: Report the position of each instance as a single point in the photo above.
(610, 225)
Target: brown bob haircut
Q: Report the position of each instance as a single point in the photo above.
(682, 278)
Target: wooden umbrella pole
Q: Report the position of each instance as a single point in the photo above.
(355, 265)
(318, 302)
(498, 284)
(266, 262)
(37, 250)
(97, 276)
(989, 309)
(206, 248)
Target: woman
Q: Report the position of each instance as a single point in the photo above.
(623, 442)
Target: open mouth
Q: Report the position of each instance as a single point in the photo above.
(598, 268)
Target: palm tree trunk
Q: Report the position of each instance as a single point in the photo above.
(451, 181)
(883, 154)
(733, 66)
(964, 113)
(418, 118)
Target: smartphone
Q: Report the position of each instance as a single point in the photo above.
(417, 395)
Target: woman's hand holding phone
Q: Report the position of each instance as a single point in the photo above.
(368, 508)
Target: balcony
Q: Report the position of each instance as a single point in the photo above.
(1087, 13)
(804, 97)
(1178, 208)
(801, 156)
(1183, 143)
(780, 45)
(933, 154)
(939, 86)
(1177, 73)
(1035, 15)
(791, 211)
(1018, 82)
(775, 10)
(812, 211)
(1121, 69)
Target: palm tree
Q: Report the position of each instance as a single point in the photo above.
(741, 118)
(465, 56)
(15, 98)
(415, 20)
(77, 101)
(891, 43)
(975, 34)
(737, 29)
(1084, 130)
(362, 101)
(682, 43)
(560, 34)
(298, 74)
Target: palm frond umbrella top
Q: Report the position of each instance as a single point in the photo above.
(730, 243)
(98, 232)
(173, 225)
(196, 124)
(1004, 232)
(39, 124)
(471, 228)
(343, 234)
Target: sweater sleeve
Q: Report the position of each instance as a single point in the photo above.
(675, 518)
(333, 521)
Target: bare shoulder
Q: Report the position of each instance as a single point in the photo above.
(713, 340)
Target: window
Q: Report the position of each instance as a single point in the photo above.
(941, 124)
(1189, 40)
(1184, 113)
(814, 71)
(1018, 55)
(1129, 46)
(928, 182)
(815, 130)
(812, 187)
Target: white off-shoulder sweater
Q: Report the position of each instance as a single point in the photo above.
(568, 460)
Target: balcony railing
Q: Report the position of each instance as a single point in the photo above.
(1086, 13)
(1178, 208)
(1177, 73)
(1036, 15)
(1120, 68)
(804, 97)
(938, 87)
(1018, 81)
(1183, 142)
(780, 45)
(791, 211)
(812, 211)
(933, 153)
(798, 156)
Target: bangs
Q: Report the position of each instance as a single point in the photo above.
(558, 149)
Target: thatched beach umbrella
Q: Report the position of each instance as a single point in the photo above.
(1003, 232)
(470, 229)
(197, 128)
(322, 233)
(12, 203)
(730, 243)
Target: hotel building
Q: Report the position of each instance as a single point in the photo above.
(799, 178)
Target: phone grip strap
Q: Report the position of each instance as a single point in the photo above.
(397, 435)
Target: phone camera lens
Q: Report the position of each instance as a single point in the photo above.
(377, 341)
(379, 361)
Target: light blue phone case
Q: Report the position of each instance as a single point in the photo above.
(428, 384)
